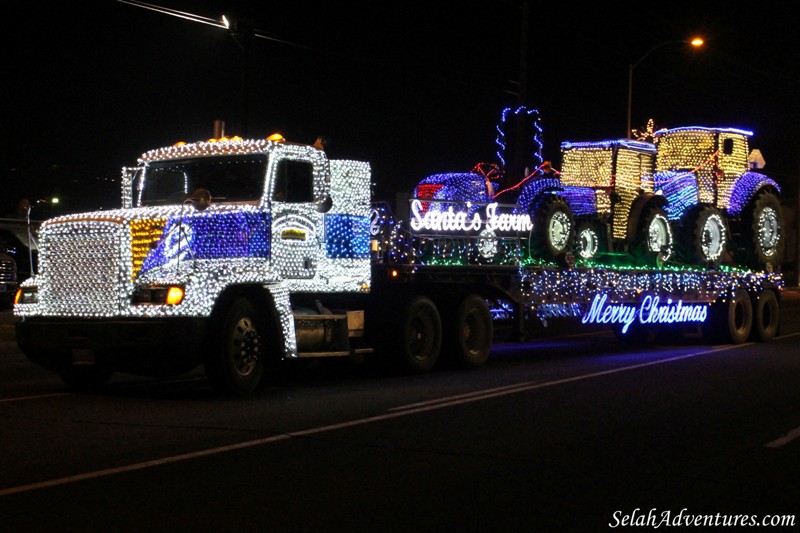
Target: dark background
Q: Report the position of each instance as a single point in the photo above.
(415, 88)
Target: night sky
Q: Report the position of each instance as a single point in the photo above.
(415, 88)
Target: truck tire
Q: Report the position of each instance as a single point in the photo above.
(416, 338)
(553, 229)
(762, 232)
(235, 360)
(730, 321)
(704, 237)
(654, 238)
(766, 316)
(470, 330)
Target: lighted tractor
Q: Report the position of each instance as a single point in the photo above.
(609, 188)
(717, 203)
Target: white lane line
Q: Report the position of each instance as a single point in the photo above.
(447, 399)
(489, 393)
(21, 398)
(785, 439)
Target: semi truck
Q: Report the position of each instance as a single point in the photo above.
(236, 255)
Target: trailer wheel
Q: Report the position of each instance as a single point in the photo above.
(470, 330)
(730, 321)
(766, 316)
(235, 360)
(417, 335)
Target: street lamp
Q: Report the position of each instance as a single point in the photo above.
(696, 42)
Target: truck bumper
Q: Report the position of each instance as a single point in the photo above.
(148, 347)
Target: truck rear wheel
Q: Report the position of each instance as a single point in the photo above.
(416, 338)
(235, 360)
(470, 331)
(730, 321)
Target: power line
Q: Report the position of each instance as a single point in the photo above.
(237, 28)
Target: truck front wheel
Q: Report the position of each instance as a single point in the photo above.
(235, 361)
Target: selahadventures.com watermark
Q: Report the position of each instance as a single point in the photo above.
(655, 519)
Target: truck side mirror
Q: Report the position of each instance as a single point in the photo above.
(325, 205)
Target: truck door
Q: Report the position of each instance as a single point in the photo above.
(296, 220)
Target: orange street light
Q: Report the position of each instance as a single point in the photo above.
(696, 42)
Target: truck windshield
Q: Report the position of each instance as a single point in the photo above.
(234, 178)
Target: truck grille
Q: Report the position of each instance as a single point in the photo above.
(85, 267)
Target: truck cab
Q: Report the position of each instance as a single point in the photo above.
(223, 241)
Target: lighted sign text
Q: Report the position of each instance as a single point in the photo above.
(452, 220)
(649, 311)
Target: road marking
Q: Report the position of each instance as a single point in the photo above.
(479, 393)
(21, 398)
(785, 439)
(408, 410)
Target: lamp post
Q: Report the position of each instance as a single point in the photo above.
(696, 42)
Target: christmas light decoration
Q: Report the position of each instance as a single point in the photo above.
(592, 171)
(745, 189)
(520, 113)
(94, 263)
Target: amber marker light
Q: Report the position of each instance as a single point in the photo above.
(174, 295)
(17, 296)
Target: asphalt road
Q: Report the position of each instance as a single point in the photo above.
(567, 433)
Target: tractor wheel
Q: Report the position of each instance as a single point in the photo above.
(654, 238)
(762, 232)
(553, 229)
(705, 236)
